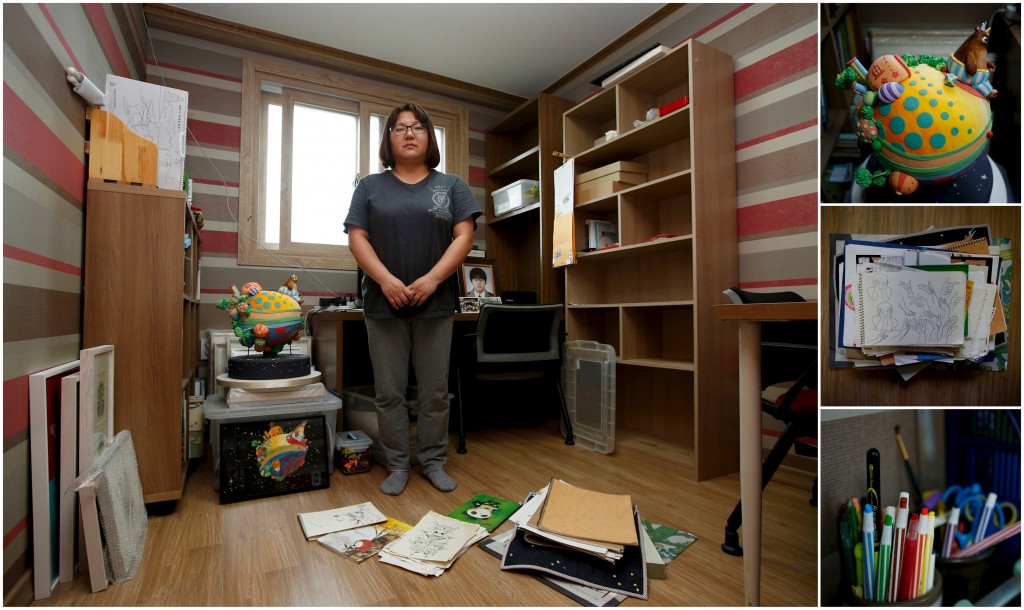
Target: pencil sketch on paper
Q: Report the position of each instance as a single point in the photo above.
(924, 308)
(431, 543)
(338, 519)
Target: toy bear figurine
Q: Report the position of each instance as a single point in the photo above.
(970, 64)
(291, 288)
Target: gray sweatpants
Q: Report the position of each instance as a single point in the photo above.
(429, 340)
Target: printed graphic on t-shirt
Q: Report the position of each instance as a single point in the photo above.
(442, 199)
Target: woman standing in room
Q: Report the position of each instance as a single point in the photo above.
(409, 228)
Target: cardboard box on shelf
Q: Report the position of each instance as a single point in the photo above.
(609, 179)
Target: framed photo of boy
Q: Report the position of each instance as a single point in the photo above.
(479, 278)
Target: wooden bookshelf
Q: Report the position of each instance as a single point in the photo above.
(651, 298)
(141, 295)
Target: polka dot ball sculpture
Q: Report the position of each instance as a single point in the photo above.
(927, 119)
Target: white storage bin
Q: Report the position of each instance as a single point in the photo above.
(588, 380)
(515, 195)
(217, 411)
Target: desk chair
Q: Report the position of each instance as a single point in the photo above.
(511, 343)
(794, 403)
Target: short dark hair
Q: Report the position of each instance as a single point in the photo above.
(477, 272)
(387, 157)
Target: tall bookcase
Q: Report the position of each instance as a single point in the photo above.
(651, 300)
(841, 41)
(518, 147)
(142, 296)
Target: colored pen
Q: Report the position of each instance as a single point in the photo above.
(930, 579)
(846, 547)
(858, 557)
(884, 559)
(868, 533)
(855, 514)
(950, 535)
(874, 487)
(923, 550)
(992, 540)
(911, 566)
(906, 461)
(986, 516)
(899, 538)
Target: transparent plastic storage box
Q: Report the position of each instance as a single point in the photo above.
(514, 196)
(588, 380)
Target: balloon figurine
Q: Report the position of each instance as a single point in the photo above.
(263, 319)
(927, 119)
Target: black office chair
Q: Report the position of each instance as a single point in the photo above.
(513, 342)
(789, 350)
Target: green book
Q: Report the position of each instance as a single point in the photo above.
(670, 542)
(486, 511)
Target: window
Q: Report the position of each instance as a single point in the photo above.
(307, 138)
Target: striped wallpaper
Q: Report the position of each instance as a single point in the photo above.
(44, 179)
(774, 50)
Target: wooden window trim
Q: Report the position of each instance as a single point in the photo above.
(454, 118)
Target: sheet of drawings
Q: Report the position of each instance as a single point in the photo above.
(564, 246)
(912, 307)
(435, 538)
(159, 114)
(337, 519)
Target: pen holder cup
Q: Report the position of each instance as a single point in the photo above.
(931, 598)
(965, 576)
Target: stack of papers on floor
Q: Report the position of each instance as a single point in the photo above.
(912, 301)
(432, 545)
(581, 536)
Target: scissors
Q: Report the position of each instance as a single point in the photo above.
(956, 495)
(970, 511)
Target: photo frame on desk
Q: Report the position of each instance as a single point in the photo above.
(473, 304)
(472, 271)
(45, 403)
(96, 407)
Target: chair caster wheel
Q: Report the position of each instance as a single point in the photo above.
(731, 545)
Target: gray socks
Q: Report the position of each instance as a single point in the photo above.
(441, 480)
(397, 480)
(395, 483)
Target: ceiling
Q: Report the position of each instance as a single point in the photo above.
(519, 49)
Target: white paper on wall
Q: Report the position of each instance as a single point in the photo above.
(158, 114)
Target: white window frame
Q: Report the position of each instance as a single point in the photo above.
(367, 99)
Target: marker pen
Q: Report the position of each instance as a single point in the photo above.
(899, 538)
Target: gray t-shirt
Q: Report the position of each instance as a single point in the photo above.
(410, 228)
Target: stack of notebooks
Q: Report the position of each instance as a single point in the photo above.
(585, 537)
(912, 301)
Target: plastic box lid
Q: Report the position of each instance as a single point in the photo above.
(352, 440)
(588, 380)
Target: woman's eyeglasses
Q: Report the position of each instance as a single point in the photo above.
(417, 129)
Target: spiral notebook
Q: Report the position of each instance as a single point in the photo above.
(923, 307)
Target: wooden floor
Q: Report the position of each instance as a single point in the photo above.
(253, 553)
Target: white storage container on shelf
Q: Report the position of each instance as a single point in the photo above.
(588, 380)
(516, 195)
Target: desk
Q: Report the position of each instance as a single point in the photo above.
(750, 318)
(328, 332)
